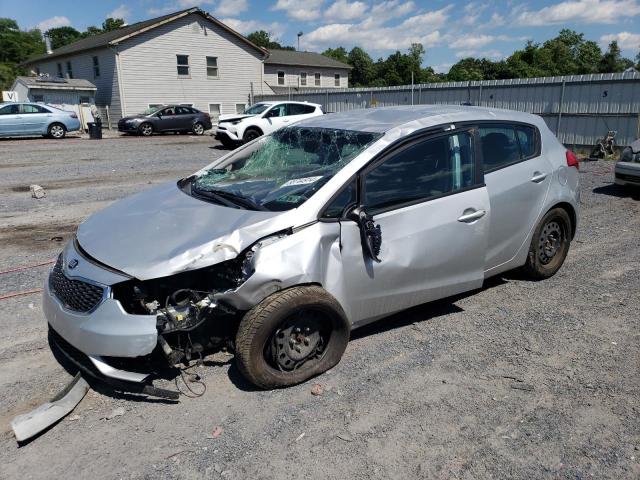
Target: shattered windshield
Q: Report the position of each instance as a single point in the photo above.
(150, 110)
(256, 109)
(282, 170)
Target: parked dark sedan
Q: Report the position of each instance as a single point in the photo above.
(168, 118)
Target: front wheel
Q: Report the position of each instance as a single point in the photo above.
(250, 134)
(291, 336)
(198, 128)
(549, 245)
(146, 129)
(57, 131)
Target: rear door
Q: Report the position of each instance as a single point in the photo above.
(433, 210)
(34, 119)
(517, 178)
(10, 120)
(299, 111)
(186, 117)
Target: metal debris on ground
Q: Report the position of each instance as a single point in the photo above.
(37, 191)
(30, 424)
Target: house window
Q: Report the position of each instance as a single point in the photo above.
(214, 112)
(183, 65)
(240, 107)
(303, 79)
(60, 74)
(317, 79)
(38, 98)
(85, 100)
(96, 67)
(280, 78)
(212, 67)
(336, 79)
(69, 70)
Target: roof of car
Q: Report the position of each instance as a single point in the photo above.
(383, 119)
(273, 102)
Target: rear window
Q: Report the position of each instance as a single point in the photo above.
(506, 144)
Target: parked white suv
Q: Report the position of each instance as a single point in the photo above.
(261, 119)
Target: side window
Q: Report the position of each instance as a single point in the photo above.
(183, 111)
(527, 140)
(345, 198)
(500, 146)
(10, 110)
(277, 111)
(427, 169)
(298, 109)
(169, 111)
(308, 109)
(33, 109)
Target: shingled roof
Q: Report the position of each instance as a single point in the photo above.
(302, 59)
(115, 36)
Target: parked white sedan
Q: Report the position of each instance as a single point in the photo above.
(262, 119)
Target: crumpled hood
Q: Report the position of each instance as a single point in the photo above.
(162, 231)
(230, 118)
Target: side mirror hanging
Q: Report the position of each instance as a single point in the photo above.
(370, 233)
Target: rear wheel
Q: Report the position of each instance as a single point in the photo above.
(291, 336)
(57, 130)
(198, 128)
(146, 129)
(549, 245)
(251, 134)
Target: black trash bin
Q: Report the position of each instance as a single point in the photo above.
(95, 130)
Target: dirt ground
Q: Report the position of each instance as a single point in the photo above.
(518, 380)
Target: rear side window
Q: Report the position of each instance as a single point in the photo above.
(298, 109)
(34, 109)
(430, 168)
(504, 144)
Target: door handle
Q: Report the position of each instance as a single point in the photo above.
(286, 121)
(538, 177)
(471, 215)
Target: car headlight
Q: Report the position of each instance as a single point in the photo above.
(235, 122)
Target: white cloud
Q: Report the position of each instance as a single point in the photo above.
(475, 41)
(275, 29)
(53, 22)
(122, 11)
(304, 11)
(626, 40)
(392, 9)
(442, 67)
(578, 11)
(231, 7)
(491, 54)
(372, 35)
(342, 10)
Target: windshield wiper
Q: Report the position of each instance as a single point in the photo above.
(238, 199)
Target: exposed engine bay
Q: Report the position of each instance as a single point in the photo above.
(190, 317)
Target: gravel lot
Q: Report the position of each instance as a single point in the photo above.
(517, 380)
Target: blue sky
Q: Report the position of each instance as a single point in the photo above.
(449, 29)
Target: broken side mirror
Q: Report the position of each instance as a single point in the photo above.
(370, 233)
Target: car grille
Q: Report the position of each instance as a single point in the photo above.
(75, 295)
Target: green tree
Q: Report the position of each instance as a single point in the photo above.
(112, 24)
(339, 54)
(15, 47)
(613, 61)
(263, 39)
(61, 36)
(363, 72)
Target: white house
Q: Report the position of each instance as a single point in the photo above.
(187, 57)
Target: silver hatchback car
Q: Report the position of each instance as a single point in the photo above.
(25, 119)
(279, 249)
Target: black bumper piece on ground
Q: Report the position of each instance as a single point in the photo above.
(81, 361)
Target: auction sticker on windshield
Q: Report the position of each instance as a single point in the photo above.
(301, 181)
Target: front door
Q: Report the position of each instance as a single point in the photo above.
(433, 210)
(169, 120)
(518, 179)
(276, 117)
(10, 120)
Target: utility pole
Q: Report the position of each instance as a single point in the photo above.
(299, 35)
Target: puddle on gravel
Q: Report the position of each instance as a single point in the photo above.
(37, 237)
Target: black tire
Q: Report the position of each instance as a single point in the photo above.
(251, 134)
(57, 131)
(198, 129)
(261, 341)
(226, 143)
(145, 129)
(549, 245)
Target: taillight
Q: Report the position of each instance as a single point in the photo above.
(572, 160)
(206, 115)
(73, 115)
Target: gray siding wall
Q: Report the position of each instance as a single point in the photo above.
(82, 67)
(149, 67)
(292, 76)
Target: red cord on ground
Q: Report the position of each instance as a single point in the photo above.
(27, 267)
(18, 294)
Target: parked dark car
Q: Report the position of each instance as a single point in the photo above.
(168, 118)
